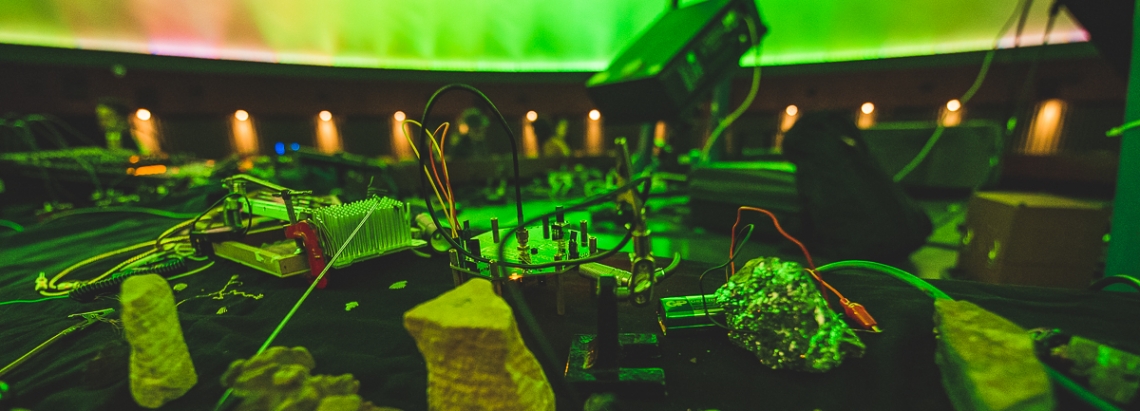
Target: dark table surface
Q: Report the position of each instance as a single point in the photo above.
(703, 370)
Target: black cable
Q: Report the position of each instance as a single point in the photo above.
(1023, 94)
(501, 252)
(56, 121)
(424, 148)
(158, 242)
(88, 292)
(1021, 23)
(1115, 279)
(731, 259)
(543, 343)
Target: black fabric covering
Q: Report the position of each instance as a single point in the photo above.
(703, 369)
(851, 207)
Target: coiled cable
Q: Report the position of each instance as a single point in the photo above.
(88, 292)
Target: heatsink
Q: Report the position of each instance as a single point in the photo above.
(387, 230)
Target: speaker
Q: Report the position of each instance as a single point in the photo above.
(676, 60)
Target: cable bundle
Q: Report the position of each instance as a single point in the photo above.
(88, 292)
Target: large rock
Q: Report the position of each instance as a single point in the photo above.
(279, 379)
(161, 369)
(476, 359)
(987, 362)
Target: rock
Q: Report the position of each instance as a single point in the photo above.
(279, 380)
(987, 362)
(476, 359)
(1113, 374)
(161, 369)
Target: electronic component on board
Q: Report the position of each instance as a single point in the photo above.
(315, 229)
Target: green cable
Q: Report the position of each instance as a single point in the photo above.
(11, 224)
(1115, 279)
(1069, 385)
(31, 301)
(1083, 394)
(273, 335)
(139, 210)
(909, 278)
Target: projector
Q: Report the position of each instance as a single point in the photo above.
(676, 61)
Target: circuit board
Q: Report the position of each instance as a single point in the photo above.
(539, 250)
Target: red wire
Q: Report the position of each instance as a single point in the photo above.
(446, 175)
(776, 222)
(853, 310)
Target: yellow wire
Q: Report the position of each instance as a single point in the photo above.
(191, 272)
(176, 227)
(447, 176)
(55, 279)
(434, 186)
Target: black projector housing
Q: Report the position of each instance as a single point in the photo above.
(676, 61)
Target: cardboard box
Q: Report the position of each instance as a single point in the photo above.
(1033, 239)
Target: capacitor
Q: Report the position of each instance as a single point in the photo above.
(593, 245)
(573, 249)
(546, 228)
(582, 229)
(559, 217)
(495, 229)
(474, 248)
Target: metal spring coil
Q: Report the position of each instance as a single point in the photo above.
(88, 292)
(387, 229)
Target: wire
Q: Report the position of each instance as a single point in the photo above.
(12, 224)
(450, 204)
(906, 277)
(191, 272)
(500, 253)
(514, 154)
(544, 347)
(51, 283)
(978, 80)
(157, 244)
(1118, 131)
(33, 301)
(158, 241)
(853, 310)
(731, 118)
(139, 210)
(436, 186)
(1021, 23)
(1100, 284)
(776, 222)
(296, 306)
(731, 259)
(671, 268)
(1079, 391)
(447, 178)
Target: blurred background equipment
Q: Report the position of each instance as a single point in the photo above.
(676, 61)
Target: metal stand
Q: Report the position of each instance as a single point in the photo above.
(595, 360)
